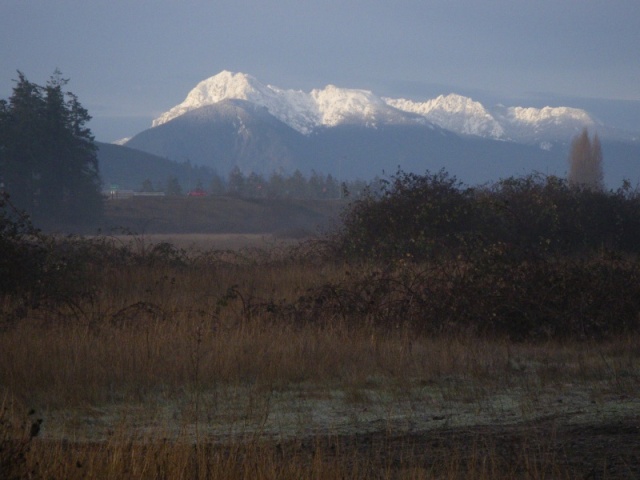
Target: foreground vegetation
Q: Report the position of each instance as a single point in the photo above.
(424, 349)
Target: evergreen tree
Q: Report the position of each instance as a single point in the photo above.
(296, 185)
(276, 186)
(217, 185)
(315, 185)
(332, 187)
(147, 186)
(173, 187)
(236, 182)
(255, 186)
(48, 159)
(19, 125)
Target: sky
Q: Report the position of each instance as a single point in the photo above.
(130, 60)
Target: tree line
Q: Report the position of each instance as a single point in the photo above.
(275, 185)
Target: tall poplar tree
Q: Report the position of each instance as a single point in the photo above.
(585, 162)
(48, 160)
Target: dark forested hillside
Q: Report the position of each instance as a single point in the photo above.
(129, 169)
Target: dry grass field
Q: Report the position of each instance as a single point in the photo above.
(210, 363)
(206, 242)
(425, 330)
(221, 214)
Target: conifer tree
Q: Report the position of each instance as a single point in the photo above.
(147, 186)
(173, 187)
(217, 185)
(236, 182)
(48, 160)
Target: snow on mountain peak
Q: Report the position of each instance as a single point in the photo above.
(533, 125)
(454, 112)
(223, 85)
(344, 105)
(290, 106)
(530, 115)
(332, 106)
(302, 111)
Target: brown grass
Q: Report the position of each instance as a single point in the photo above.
(333, 458)
(221, 214)
(187, 372)
(206, 242)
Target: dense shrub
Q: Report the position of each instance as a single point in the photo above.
(24, 254)
(541, 299)
(59, 274)
(545, 214)
(529, 257)
(38, 269)
(412, 215)
(421, 216)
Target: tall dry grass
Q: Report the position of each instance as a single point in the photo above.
(221, 327)
(325, 459)
(145, 322)
(150, 336)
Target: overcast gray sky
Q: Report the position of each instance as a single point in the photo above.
(130, 60)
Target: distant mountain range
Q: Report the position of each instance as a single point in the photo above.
(334, 106)
(231, 119)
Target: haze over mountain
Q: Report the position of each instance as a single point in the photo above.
(232, 119)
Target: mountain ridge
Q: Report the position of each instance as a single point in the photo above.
(231, 120)
(332, 105)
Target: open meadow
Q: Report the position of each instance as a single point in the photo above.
(199, 357)
(218, 366)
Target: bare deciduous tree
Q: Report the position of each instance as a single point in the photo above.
(585, 162)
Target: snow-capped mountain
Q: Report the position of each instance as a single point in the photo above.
(232, 120)
(292, 107)
(333, 106)
(301, 111)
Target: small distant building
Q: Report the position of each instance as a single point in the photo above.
(114, 192)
